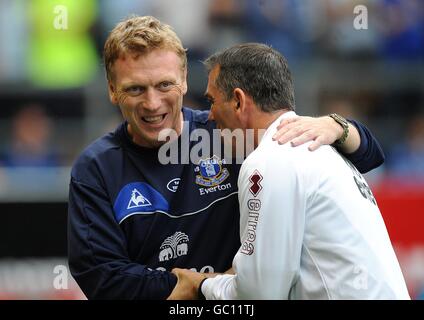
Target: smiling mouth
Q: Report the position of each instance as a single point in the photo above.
(154, 119)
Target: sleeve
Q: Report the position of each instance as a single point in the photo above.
(369, 154)
(98, 257)
(272, 226)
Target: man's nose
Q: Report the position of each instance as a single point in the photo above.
(152, 100)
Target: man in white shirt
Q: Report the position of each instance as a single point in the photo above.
(310, 227)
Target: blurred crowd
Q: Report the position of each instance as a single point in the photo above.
(38, 59)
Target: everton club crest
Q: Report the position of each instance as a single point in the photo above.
(210, 172)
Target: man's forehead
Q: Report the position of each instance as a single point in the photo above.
(209, 91)
(152, 66)
(211, 86)
(155, 56)
(126, 55)
(213, 74)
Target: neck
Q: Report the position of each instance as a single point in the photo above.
(261, 121)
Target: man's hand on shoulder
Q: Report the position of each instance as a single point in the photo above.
(321, 131)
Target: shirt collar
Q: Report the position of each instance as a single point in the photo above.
(273, 127)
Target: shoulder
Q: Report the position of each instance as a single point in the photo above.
(269, 154)
(284, 160)
(198, 118)
(99, 151)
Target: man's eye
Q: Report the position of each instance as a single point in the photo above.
(165, 85)
(134, 90)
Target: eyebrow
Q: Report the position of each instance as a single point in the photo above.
(207, 96)
(130, 85)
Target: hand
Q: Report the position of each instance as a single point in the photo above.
(298, 130)
(187, 284)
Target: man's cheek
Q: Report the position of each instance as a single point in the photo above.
(176, 90)
(122, 98)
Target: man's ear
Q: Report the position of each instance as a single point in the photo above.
(184, 82)
(239, 99)
(112, 93)
(241, 104)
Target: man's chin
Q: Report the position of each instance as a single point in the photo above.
(154, 143)
(148, 141)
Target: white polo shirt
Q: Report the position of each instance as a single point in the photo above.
(310, 229)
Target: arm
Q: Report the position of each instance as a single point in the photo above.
(188, 283)
(360, 147)
(369, 155)
(268, 262)
(98, 257)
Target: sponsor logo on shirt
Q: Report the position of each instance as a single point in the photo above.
(174, 246)
(173, 184)
(248, 245)
(210, 172)
(204, 191)
(137, 200)
(204, 269)
(255, 183)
